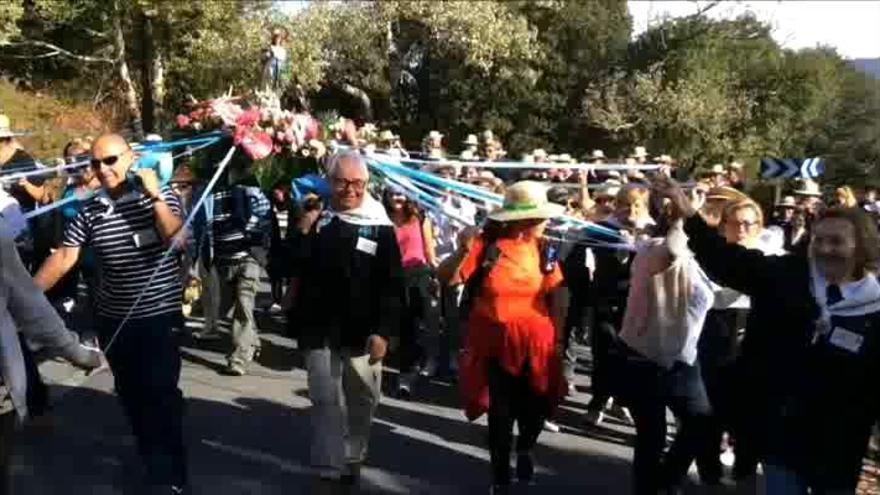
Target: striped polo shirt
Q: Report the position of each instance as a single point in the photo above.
(128, 247)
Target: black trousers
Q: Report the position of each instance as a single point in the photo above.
(653, 389)
(419, 327)
(603, 340)
(7, 446)
(511, 399)
(145, 360)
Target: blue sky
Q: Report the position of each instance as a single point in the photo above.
(852, 27)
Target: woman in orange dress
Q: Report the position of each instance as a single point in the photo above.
(510, 366)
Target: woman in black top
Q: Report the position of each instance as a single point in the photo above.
(812, 344)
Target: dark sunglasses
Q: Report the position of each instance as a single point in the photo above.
(107, 160)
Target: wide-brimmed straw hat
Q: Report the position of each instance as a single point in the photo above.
(526, 200)
(787, 202)
(435, 135)
(6, 130)
(471, 140)
(726, 193)
(809, 188)
(597, 155)
(639, 152)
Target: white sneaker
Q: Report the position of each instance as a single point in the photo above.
(595, 417)
(405, 385)
(430, 368)
(551, 426)
(627, 416)
(728, 458)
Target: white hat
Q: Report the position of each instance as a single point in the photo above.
(663, 159)
(717, 169)
(563, 158)
(6, 128)
(735, 165)
(597, 155)
(640, 152)
(488, 135)
(386, 136)
(539, 153)
(787, 202)
(435, 135)
(809, 188)
(526, 200)
(471, 140)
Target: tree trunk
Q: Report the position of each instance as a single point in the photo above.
(147, 106)
(157, 84)
(153, 80)
(394, 68)
(128, 89)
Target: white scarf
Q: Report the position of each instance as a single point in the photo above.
(371, 212)
(862, 297)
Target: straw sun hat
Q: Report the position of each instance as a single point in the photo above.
(526, 200)
(6, 130)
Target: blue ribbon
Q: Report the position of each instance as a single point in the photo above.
(476, 192)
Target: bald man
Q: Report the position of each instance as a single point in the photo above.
(129, 226)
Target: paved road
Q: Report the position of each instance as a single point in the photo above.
(249, 435)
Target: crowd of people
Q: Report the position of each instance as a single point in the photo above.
(752, 327)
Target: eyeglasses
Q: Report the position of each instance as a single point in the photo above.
(343, 184)
(744, 224)
(107, 160)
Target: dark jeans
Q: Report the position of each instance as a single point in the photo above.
(7, 446)
(37, 391)
(420, 325)
(450, 338)
(145, 360)
(653, 389)
(511, 399)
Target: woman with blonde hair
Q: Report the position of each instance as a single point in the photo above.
(845, 197)
(514, 302)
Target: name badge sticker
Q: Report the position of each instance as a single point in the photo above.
(367, 246)
(844, 339)
(146, 237)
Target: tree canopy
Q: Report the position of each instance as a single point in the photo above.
(561, 75)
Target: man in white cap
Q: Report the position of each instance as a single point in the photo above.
(640, 154)
(433, 145)
(13, 158)
(809, 196)
(472, 144)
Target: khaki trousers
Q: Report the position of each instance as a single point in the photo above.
(345, 391)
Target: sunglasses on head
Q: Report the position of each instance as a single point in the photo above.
(107, 160)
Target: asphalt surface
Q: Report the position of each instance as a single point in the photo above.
(250, 435)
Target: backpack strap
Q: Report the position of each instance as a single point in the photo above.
(487, 260)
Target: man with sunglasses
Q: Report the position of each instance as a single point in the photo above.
(130, 226)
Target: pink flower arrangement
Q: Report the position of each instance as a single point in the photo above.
(261, 129)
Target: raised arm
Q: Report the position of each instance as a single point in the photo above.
(730, 265)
